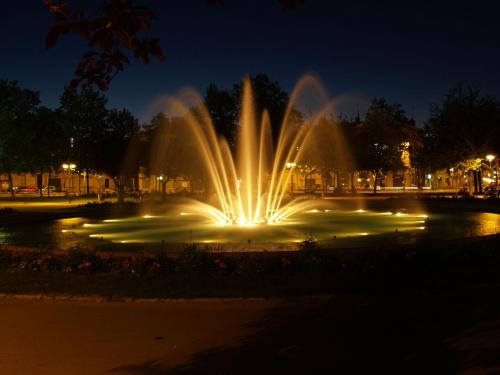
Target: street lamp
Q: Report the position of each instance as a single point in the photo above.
(490, 158)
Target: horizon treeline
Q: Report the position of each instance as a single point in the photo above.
(464, 127)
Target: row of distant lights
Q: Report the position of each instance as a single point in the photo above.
(383, 213)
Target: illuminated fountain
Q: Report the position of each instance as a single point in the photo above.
(251, 186)
(248, 186)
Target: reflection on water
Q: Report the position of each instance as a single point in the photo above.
(335, 228)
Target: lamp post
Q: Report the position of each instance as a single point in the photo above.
(490, 158)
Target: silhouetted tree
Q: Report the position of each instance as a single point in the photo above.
(465, 126)
(115, 157)
(113, 30)
(47, 143)
(83, 116)
(110, 33)
(18, 106)
(222, 107)
(168, 149)
(268, 96)
(380, 137)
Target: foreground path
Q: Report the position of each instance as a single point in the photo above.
(388, 333)
(62, 337)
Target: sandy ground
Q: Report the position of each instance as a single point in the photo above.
(64, 337)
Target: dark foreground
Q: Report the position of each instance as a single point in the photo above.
(350, 333)
(432, 308)
(426, 309)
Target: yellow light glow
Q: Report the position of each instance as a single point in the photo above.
(490, 157)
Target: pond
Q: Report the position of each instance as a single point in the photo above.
(330, 227)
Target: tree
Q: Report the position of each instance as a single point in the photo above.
(116, 158)
(109, 33)
(268, 96)
(83, 116)
(380, 138)
(47, 143)
(223, 110)
(17, 109)
(169, 149)
(463, 127)
(114, 30)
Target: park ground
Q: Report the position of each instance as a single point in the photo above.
(345, 334)
(428, 309)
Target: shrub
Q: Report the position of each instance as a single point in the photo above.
(7, 210)
(309, 244)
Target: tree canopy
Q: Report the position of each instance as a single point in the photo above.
(465, 126)
(112, 33)
(381, 135)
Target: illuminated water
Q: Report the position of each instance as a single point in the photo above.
(190, 227)
(332, 228)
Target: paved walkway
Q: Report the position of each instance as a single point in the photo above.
(61, 337)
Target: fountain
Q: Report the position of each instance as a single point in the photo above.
(248, 185)
(252, 188)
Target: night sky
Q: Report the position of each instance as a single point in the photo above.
(411, 54)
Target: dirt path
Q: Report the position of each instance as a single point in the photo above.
(61, 337)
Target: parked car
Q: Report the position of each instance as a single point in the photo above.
(49, 189)
(25, 189)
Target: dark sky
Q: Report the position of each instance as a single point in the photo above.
(411, 53)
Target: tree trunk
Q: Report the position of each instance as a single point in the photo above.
(87, 181)
(375, 182)
(323, 183)
(164, 190)
(353, 186)
(9, 174)
(41, 183)
(48, 184)
(480, 181)
(120, 189)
